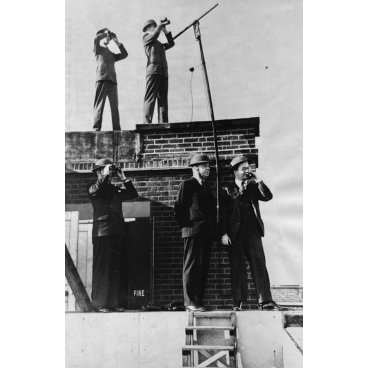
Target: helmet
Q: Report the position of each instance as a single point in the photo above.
(101, 163)
(150, 21)
(199, 158)
(238, 160)
(102, 31)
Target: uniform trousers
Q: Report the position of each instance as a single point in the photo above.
(157, 87)
(197, 256)
(106, 88)
(248, 243)
(109, 272)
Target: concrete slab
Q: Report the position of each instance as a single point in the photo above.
(101, 340)
(259, 339)
(293, 358)
(161, 338)
(297, 335)
(155, 339)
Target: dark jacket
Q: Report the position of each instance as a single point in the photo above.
(195, 209)
(229, 211)
(155, 52)
(106, 60)
(107, 208)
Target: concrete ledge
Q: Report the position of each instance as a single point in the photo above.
(156, 339)
(228, 123)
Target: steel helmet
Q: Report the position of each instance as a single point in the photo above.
(101, 163)
(199, 158)
(150, 21)
(102, 31)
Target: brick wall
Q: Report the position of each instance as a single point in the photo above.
(156, 167)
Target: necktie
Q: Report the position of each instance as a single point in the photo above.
(242, 188)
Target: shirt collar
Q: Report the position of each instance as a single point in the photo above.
(199, 180)
(238, 183)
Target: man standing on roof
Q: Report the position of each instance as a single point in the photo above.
(106, 84)
(241, 230)
(157, 78)
(110, 256)
(195, 212)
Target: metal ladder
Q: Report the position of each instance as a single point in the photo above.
(211, 339)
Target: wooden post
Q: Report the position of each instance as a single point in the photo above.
(76, 283)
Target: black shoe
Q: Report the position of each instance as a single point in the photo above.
(119, 310)
(151, 308)
(176, 307)
(102, 310)
(237, 307)
(194, 308)
(272, 306)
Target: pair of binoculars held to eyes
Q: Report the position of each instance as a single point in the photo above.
(115, 168)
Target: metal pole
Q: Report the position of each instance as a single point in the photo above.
(196, 21)
(197, 34)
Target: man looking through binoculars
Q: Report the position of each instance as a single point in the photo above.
(106, 84)
(110, 256)
(157, 78)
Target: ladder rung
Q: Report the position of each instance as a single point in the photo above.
(230, 328)
(208, 347)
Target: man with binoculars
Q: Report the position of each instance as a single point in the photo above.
(110, 257)
(106, 84)
(241, 230)
(157, 78)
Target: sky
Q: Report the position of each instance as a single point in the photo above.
(254, 53)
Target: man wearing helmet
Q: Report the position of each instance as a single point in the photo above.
(109, 289)
(106, 83)
(195, 212)
(241, 230)
(157, 82)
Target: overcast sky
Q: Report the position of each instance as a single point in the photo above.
(253, 51)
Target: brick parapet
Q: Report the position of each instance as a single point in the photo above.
(162, 146)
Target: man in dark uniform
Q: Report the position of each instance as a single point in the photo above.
(195, 212)
(241, 229)
(110, 256)
(157, 78)
(106, 84)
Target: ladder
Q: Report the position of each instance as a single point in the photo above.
(211, 340)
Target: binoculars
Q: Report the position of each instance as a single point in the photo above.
(115, 168)
(111, 34)
(165, 21)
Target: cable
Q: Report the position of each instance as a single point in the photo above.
(191, 93)
(191, 80)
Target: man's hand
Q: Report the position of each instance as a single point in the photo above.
(121, 174)
(163, 24)
(115, 38)
(107, 170)
(253, 179)
(225, 240)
